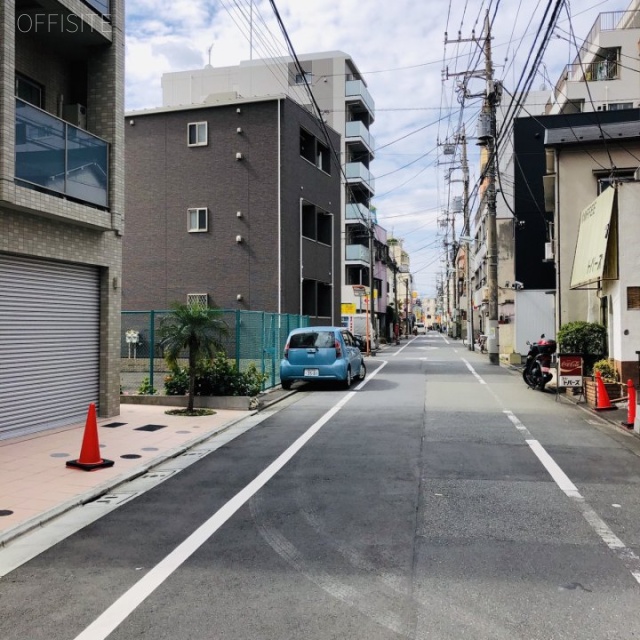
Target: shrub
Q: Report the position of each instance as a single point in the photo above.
(220, 377)
(607, 370)
(145, 388)
(586, 338)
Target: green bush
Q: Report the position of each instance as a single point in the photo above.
(220, 377)
(145, 388)
(586, 338)
(607, 370)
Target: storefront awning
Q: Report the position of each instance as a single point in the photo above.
(594, 258)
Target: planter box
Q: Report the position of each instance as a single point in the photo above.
(232, 403)
(614, 391)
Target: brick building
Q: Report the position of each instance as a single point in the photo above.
(234, 203)
(61, 210)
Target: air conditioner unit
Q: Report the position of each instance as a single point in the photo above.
(548, 251)
(75, 114)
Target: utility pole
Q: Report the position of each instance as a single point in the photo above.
(467, 231)
(372, 262)
(492, 98)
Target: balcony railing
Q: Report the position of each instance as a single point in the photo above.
(594, 71)
(357, 212)
(103, 7)
(357, 252)
(357, 172)
(357, 89)
(59, 157)
(356, 129)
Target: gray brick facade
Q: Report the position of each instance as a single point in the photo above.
(73, 67)
(256, 198)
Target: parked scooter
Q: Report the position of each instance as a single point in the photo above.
(537, 369)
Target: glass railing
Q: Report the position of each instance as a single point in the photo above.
(103, 7)
(357, 89)
(356, 211)
(356, 171)
(357, 252)
(356, 129)
(60, 157)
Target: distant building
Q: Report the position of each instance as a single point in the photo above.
(234, 204)
(346, 105)
(61, 210)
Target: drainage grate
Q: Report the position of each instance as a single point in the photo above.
(151, 427)
(112, 498)
(113, 425)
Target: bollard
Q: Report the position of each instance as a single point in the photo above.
(631, 411)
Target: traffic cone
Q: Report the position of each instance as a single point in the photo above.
(602, 397)
(90, 453)
(631, 409)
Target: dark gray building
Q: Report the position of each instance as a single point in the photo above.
(234, 203)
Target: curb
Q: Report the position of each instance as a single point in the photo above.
(43, 518)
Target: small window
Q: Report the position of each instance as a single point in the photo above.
(197, 134)
(197, 220)
(307, 146)
(301, 77)
(633, 298)
(323, 159)
(618, 106)
(198, 300)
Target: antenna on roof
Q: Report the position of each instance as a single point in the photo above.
(209, 52)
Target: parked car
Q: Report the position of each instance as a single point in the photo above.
(421, 328)
(321, 353)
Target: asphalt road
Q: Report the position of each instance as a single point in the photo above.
(441, 500)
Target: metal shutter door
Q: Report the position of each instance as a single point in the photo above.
(49, 343)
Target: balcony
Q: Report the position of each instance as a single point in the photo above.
(101, 6)
(357, 172)
(357, 133)
(356, 212)
(357, 252)
(56, 156)
(356, 91)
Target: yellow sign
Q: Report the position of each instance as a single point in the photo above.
(593, 238)
(347, 308)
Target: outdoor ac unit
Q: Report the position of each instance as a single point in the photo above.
(548, 251)
(485, 294)
(75, 114)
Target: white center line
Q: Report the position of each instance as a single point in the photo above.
(112, 617)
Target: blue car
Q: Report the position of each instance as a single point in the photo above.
(321, 353)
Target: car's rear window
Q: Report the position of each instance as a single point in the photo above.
(307, 340)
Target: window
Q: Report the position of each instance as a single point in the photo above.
(633, 298)
(198, 300)
(29, 91)
(197, 220)
(197, 134)
(323, 159)
(617, 106)
(314, 151)
(316, 224)
(301, 77)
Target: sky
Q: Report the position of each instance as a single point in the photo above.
(399, 46)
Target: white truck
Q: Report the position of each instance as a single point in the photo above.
(357, 325)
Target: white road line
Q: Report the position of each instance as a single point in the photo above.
(478, 378)
(628, 557)
(403, 347)
(112, 617)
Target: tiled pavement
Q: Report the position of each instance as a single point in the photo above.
(36, 485)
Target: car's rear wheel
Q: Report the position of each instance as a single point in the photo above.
(363, 371)
(286, 384)
(346, 383)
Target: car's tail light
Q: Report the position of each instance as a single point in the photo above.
(286, 351)
(338, 349)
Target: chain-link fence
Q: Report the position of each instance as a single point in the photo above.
(254, 336)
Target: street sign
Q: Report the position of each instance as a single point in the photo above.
(569, 370)
(359, 290)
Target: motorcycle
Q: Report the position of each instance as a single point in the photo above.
(537, 369)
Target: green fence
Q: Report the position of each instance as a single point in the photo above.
(254, 336)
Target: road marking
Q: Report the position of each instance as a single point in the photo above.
(112, 617)
(404, 346)
(628, 557)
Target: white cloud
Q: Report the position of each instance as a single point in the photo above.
(397, 44)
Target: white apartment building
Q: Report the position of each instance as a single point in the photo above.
(346, 105)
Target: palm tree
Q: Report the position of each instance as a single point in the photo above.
(196, 328)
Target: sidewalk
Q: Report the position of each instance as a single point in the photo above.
(36, 485)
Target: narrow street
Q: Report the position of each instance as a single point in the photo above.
(439, 499)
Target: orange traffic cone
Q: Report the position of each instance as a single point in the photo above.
(90, 453)
(602, 397)
(631, 409)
